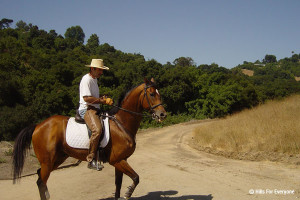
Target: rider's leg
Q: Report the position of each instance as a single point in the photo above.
(93, 121)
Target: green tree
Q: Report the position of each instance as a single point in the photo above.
(184, 61)
(269, 59)
(22, 25)
(295, 58)
(93, 43)
(53, 34)
(105, 48)
(5, 23)
(76, 33)
(176, 84)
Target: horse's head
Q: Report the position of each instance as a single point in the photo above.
(151, 101)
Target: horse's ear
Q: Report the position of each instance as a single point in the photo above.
(152, 80)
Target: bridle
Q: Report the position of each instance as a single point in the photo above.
(151, 108)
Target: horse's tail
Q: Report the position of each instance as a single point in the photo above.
(22, 144)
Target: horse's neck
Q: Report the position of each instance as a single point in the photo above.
(130, 121)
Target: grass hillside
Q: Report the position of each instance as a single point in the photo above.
(270, 131)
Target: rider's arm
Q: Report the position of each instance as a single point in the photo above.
(94, 100)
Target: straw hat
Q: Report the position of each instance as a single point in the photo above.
(98, 63)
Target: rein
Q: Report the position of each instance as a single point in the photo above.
(129, 111)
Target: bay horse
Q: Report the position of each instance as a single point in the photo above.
(49, 140)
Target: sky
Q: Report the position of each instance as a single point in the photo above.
(225, 32)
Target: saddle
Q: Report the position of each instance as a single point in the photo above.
(78, 134)
(78, 118)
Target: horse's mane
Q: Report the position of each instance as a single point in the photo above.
(123, 96)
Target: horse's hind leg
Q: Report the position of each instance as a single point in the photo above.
(43, 174)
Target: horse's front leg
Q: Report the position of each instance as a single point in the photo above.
(118, 182)
(125, 168)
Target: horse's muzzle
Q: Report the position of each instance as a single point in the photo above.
(159, 115)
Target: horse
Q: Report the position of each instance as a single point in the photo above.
(49, 140)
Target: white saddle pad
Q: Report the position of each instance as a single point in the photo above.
(77, 134)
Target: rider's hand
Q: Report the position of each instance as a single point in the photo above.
(109, 101)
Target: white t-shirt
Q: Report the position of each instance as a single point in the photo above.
(88, 87)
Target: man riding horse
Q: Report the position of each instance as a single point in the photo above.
(89, 101)
(48, 138)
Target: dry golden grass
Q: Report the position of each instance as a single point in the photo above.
(248, 72)
(272, 127)
(297, 78)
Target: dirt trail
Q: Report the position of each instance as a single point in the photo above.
(169, 169)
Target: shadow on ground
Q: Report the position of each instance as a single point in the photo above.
(167, 195)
